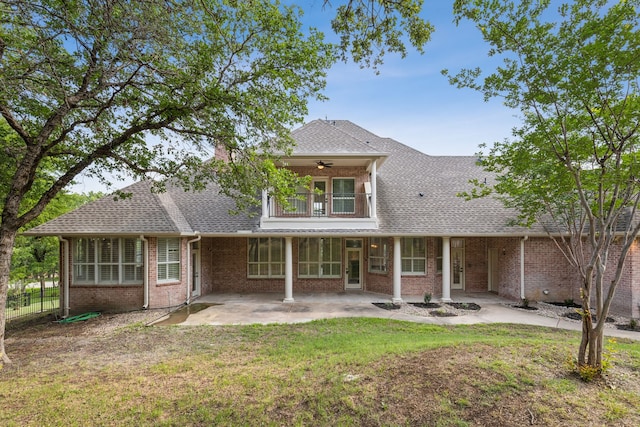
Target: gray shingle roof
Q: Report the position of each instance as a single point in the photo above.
(324, 137)
(401, 209)
(144, 212)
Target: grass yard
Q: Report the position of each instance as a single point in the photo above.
(334, 372)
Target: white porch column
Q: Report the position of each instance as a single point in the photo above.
(397, 271)
(446, 269)
(374, 192)
(522, 293)
(288, 270)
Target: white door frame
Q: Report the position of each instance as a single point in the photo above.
(319, 203)
(457, 264)
(347, 252)
(196, 287)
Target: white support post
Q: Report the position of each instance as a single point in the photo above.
(397, 271)
(288, 270)
(374, 191)
(446, 269)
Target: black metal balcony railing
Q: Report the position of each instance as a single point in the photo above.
(342, 205)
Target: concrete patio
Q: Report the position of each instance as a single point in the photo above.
(266, 308)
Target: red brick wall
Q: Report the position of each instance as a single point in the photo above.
(224, 269)
(113, 298)
(360, 175)
(169, 294)
(633, 262)
(546, 269)
(475, 265)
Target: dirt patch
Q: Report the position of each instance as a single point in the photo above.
(180, 315)
(463, 384)
(442, 313)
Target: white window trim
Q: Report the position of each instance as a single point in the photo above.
(319, 261)
(96, 264)
(383, 243)
(404, 257)
(334, 198)
(168, 262)
(269, 261)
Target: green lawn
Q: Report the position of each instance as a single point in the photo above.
(332, 372)
(23, 306)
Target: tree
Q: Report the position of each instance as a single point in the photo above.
(36, 258)
(145, 89)
(573, 165)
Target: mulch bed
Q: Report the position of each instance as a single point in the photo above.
(464, 305)
(577, 316)
(425, 305)
(387, 305)
(526, 307)
(628, 327)
(565, 304)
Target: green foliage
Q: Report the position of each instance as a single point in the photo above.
(590, 372)
(370, 28)
(572, 166)
(427, 298)
(36, 258)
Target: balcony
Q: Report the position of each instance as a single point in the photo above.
(321, 211)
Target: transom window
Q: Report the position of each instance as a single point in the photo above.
(168, 259)
(265, 257)
(378, 255)
(344, 197)
(319, 257)
(107, 261)
(414, 255)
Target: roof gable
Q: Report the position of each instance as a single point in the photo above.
(144, 212)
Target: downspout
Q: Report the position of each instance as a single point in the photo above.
(524, 239)
(65, 269)
(145, 279)
(189, 278)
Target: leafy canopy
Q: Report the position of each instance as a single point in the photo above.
(573, 165)
(573, 74)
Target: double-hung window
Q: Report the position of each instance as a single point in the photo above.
(168, 259)
(414, 255)
(344, 197)
(265, 257)
(107, 261)
(319, 257)
(378, 255)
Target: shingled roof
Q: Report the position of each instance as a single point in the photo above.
(417, 195)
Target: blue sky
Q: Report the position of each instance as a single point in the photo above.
(411, 101)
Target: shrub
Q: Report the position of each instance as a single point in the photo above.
(427, 298)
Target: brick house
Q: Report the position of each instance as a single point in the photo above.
(382, 217)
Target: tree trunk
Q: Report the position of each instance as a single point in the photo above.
(7, 238)
(587, 325)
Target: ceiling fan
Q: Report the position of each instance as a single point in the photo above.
(322, 165)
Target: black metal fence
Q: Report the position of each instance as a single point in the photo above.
(32, 301)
